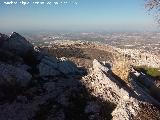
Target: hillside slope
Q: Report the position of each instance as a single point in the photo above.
(69, 82)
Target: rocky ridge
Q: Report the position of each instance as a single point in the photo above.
(128, 103)
(37, 86)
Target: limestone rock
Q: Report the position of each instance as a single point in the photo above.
(98, 66)
(48, 67)
(126, 109)
(12, 75)
(114, 91)
(104, 85)
(67, 67)
(17, 44)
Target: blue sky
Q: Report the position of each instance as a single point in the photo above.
(92, 15)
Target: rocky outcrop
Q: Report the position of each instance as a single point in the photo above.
(33, 56)
(67, 67)
(50, 66)
(14, 75)
(46, 105)
(17, 44)
(103, 84)
(3, 38)
(106, 86)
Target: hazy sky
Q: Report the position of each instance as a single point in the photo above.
(76, 15)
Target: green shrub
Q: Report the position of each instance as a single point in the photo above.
(153, 72)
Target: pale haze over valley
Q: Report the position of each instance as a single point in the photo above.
(90, 15)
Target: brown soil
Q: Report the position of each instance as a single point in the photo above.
(82, 55)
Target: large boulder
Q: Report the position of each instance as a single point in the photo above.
(17, 44)
(48, 67)
(66, 66)
(10, 75)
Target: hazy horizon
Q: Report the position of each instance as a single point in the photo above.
(90, 15)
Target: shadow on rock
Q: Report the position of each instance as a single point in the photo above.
(40, 87)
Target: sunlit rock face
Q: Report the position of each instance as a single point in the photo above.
(111, 90)
(103, 84)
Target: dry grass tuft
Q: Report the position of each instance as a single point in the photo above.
(121, 67)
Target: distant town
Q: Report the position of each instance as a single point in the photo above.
(147, 42)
